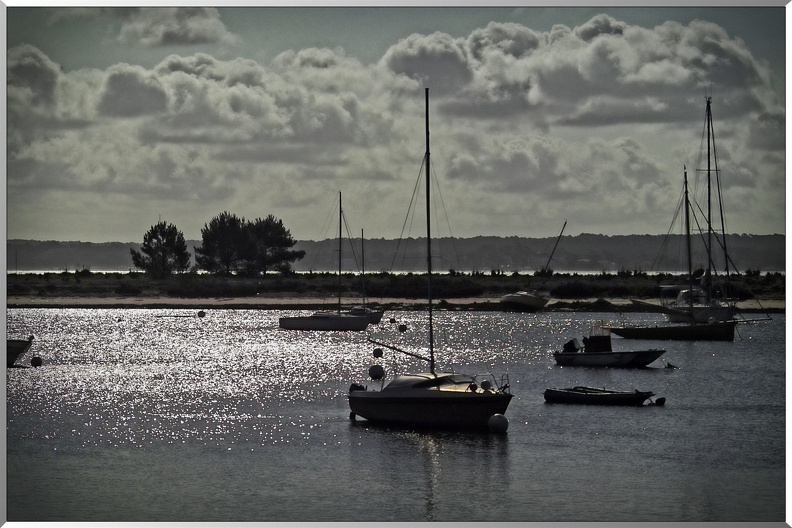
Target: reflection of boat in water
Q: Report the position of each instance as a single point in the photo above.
(17, 348)
(596, 351)
(595, 396)
(432, 399)
(329, 320)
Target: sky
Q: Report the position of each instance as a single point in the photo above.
(118, 118)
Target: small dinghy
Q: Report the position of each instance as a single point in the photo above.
(595, 396)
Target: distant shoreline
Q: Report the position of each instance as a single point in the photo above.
(314, 303)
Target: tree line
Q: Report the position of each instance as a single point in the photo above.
(230, 245)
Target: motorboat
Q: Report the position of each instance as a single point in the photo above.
(596, 351)
(596, 396)
(17, 348)
(433, 399)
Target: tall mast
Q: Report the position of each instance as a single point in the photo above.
(429, 240)
(555, 246)
(687, 240)
(709, 201)
(340, 220)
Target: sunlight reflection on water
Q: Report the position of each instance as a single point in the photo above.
(263, 411)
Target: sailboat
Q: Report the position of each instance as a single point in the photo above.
(329, 320)
(531, 301)
(431, 399)
(692, 327)
(374, 316)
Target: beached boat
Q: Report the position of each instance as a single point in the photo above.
(524, 301)
(326, 320)
(431, 399)
(532, 301)
(595, 396)
(17, 348)
(597, 351)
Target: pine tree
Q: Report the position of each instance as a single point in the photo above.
(164, 251)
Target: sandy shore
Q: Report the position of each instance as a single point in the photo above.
(314, 303)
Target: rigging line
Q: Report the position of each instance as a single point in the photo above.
(323, 234)
(439, 194)
(701, 234)
(720, 199)
(349, 238)
(410, 216)
(666, 240)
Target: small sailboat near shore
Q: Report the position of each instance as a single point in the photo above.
(330, 320)
(433, 399)
(532, 301)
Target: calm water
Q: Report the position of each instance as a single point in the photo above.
(159, 415)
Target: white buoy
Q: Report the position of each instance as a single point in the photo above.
(498, 423)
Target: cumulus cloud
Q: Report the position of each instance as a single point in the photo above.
(131, 91)
(438, 59)
(159, 26)
(164, 26)
(522, 120)
(32, 77)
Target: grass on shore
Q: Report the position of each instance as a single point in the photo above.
(452, 285)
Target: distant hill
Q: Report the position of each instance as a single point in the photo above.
(585, 252)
